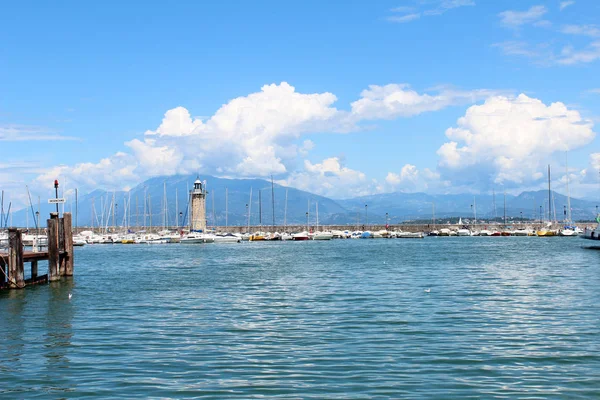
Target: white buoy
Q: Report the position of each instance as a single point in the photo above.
(70, 295)
(427, 290)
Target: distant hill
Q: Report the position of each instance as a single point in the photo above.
(148, 198)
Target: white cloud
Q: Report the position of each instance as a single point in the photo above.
(331, 178)
(591, 174)
(255, 135)
(404, 18)
(446, 5)
(507, 140)
(596, 91)
(585, 30)
(565, 4)
(570, 56)
(20, 133)
(393, 101)
(114, 172)
(515, 19)
(426, 8)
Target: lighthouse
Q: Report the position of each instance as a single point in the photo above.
(198, 210)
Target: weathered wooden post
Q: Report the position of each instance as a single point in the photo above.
(53, 250)
(34, 270)
(5, 271)
(16, 269)
(61, 248)
(68, 243)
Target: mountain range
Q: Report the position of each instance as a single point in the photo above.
(145, 205)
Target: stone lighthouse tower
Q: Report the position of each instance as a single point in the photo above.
(198, 210)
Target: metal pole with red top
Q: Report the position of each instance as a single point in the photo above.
(56, 193)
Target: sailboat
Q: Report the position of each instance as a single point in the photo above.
(568, 230)
(546, 231)
(259, 236)
(319, 235)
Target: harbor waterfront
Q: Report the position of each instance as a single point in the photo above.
(434, 318)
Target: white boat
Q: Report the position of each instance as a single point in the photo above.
(34, 240)
(322, 236)
(522, 232)
(300, 236)
(227, 238)
(245, 237)
(286, 236)
(445, 232)
(592, 234)
(197, 237)
(356, 235)
(567, 232)
(463, 232)
(410, 235)
(485, 232)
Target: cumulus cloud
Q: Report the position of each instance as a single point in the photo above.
(114, 172)
(507, 140)
(255, 135)
(394, 100)
(515, 19)
(591, 174)
(331, 178)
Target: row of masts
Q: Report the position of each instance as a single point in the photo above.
(109, 209)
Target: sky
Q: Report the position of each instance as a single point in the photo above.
(341, 98)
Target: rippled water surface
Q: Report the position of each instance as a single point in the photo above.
(505, 317)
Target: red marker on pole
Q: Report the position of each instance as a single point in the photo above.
(56, 192)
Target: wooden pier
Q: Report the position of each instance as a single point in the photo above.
(59, 255)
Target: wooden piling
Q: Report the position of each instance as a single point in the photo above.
(34, 270)
(53, 249)
(62, 267)
(68, 243)
(4, 271)
(16, 268)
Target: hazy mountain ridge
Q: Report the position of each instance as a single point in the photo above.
(96, 207)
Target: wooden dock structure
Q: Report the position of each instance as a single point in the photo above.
(59, 255)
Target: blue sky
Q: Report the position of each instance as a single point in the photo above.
(84, 88)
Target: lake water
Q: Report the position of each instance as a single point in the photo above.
(505, 317)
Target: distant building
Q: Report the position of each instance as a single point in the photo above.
(198, 209)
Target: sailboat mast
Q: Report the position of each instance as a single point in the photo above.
(504, 207)
(113, 211)
(285, 211)
(307, 215)
(549, 197)
(433, 213)
(494, 203)
(249, 210)
(165, 222)
(260, 209)
(317, 210)
(177, 210)
(76, 207)
(150, 211)
(568, 193)
(213, 211)
(273, 201)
